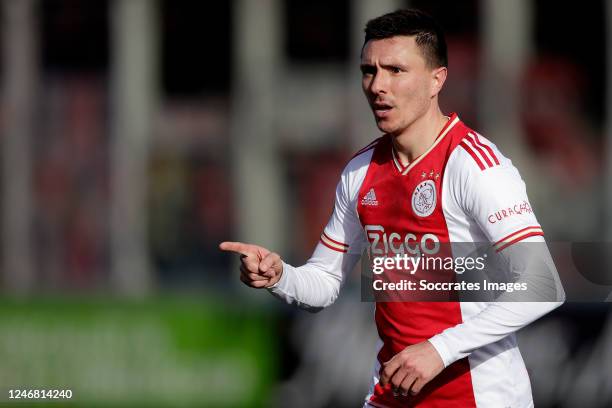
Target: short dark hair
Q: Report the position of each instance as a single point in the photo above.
(429, 36)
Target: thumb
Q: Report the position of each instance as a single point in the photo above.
(271, 265)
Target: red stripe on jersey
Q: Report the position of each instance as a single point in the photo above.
(471, 152)
(334, 241)
(522, 237)
(517, 232)
(486, 147)
(482, 153)
(331, 247)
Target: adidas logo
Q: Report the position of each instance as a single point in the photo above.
(369, 198)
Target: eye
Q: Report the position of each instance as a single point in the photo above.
(368, 70)
(396, 70)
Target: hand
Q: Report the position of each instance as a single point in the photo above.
(410, 369)
(259, 267)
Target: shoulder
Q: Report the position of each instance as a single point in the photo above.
(361, 160)
(357, 167)
(364, 155)
(476, 157)
(477, 168)
(475, 152)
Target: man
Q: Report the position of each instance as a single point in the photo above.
(428, 180)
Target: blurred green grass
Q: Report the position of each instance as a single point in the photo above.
(163, 351)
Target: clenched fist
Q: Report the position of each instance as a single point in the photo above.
(259, 267)
(410, 369)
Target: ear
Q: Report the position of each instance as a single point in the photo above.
(438, 77)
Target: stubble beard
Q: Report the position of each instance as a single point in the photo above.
(393, 128)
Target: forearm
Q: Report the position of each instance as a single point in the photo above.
(532, 264)
(306, 287)
(316, 284)
(495, 322)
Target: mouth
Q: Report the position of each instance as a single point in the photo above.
(381, 109)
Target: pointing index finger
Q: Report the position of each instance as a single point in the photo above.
(238, 247)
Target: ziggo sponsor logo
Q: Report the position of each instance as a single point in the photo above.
(381, 243)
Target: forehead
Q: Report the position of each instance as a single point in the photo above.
(396, 49)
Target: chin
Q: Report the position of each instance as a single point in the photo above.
(385, 127)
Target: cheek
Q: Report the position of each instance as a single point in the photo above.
(407, 92)
(414, 90)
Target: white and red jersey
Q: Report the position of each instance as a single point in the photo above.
(462, 189)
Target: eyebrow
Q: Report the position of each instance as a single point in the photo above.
(393, 65)
(383, 66)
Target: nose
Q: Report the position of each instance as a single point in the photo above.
(379, 83)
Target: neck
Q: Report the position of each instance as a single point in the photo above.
(419, 136)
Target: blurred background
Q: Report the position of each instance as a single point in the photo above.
(135, 135)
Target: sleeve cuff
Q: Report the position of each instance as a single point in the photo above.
(281, 285)
(438, 342)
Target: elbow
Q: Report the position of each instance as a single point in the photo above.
(557, 301)
(556, 304)
(313, 309)
(561, 297)
(561, 301)
(327, 299)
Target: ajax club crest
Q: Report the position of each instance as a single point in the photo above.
(424, 198)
